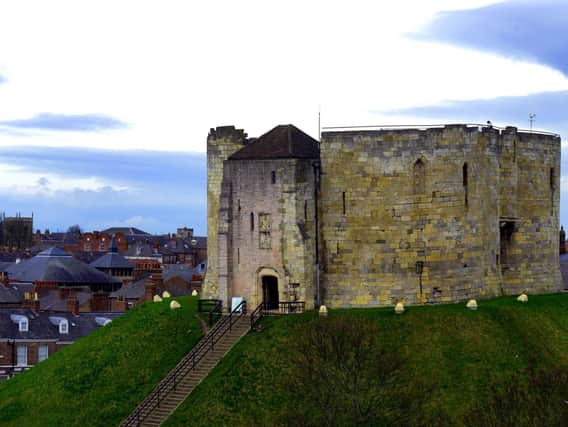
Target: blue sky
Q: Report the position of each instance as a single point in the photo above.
(109, 127)
(152, 190)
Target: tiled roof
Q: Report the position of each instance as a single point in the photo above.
(127, 231)
(112, 260)
(132, 290)
(40, 326)
(142, 250)
(9, 295)
(282, 142)
(56, 265)
(52, 300)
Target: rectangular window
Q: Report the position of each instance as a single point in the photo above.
(42, 352)
(305, 210)
(343, 197)
(264, 230)
(22, 355)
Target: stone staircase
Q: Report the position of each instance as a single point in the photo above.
(193, 368)
(197, 364)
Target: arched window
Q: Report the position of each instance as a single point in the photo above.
(464, 182)
(419, 173)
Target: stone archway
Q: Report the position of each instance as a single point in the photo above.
(268, 287)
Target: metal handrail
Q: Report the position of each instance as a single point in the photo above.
(188, 363)
(216, 311)
(284, 307)
(257, 314)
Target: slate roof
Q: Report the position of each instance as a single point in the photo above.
(142, 250)
(4, 265)
(127, 231)
(132, 290)
(185, 273)
(112, 260)
(52, 301)
(282, 142)
(56, 265)
(41, 327)
(10, 295)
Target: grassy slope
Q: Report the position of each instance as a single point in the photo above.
(100, 379)
(454, 352)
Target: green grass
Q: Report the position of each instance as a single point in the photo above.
(454, 354)
(101, 378)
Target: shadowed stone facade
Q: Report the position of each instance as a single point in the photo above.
(434, 215)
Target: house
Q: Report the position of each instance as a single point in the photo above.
(28, 337)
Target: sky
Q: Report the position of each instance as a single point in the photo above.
(105, 106)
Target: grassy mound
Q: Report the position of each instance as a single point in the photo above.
(101, 378)
(450, 366)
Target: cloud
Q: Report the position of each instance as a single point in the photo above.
(43, 181)
(550, 109)
(528, 30)
(2, 79)
(156, 191)
(67, 122)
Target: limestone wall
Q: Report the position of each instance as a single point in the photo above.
(221, 143)
(281, 240)
(531, 251)
(379, 215)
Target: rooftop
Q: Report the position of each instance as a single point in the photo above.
(282, 142)
(56, 265)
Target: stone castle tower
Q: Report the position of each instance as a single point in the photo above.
(438, 214)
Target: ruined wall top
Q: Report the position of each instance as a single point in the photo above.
(366, 131)
(237, 135)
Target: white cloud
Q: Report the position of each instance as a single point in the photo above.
(18, 180)
(173, 69)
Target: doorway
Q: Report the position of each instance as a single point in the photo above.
(270, 292)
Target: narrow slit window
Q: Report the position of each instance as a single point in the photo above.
(419, 174)
(343, 200)
(238, 255)
(251, 221)
(552, 188)
(273, 177)
(305, 210)
(464, 182)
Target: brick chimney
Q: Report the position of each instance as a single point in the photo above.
(73, 304)
(158, 280)
(100, 301)
(150, 290)
(63, 292)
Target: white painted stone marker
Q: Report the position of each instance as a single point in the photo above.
(472, 304)
(523, 298)
(399, 308)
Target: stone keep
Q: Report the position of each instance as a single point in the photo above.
(476, 207)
